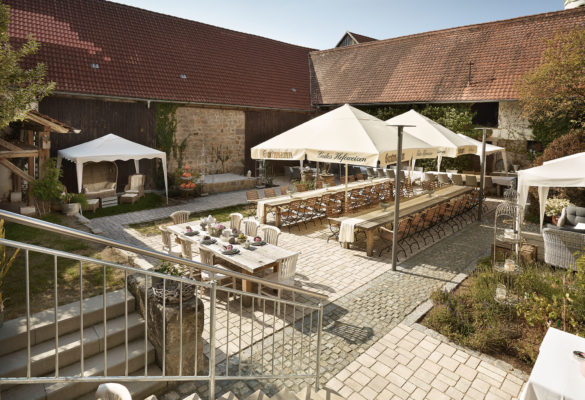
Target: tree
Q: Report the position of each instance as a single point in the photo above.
(19, 88)
(553, 95)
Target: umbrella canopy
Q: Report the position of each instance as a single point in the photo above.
(447, 142)
(109, 148)
(561, 172)
(489, 149)
(345, 135)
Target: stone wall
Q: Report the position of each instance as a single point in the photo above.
(512, 133)
(209, 131)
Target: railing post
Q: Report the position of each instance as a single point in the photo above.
(212, 305)
(319, 329)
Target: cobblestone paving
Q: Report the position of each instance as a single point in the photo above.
(413, 362)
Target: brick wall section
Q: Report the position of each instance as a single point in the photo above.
(206, 129)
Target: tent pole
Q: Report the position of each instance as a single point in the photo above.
(482, 175)
(397, 199)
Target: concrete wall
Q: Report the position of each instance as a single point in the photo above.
(209, 131)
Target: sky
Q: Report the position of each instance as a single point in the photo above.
(319, 24)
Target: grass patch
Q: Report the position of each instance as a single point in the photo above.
(471, 317)
(41, 269)
(147, 202)
(221, 214)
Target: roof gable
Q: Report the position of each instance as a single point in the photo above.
(465, 64)
(102, 48)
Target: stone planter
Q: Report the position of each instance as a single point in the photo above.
(136, 285)
(70, 208)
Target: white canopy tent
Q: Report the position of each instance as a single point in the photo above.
(110, 148)
(489, 149)
(562, 172)
(447, 142)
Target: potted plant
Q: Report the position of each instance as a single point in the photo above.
(71, 203)
(5, 265)
(554, 206)
(48, 188)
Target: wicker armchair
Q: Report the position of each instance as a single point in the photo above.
(562, 248)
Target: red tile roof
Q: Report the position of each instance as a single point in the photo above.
(142, 54)
(435, 66)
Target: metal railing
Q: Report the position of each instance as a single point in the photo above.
(245, 332)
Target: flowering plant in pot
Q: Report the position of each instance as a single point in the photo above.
(71, 203)
(5, 265)
(554, 206)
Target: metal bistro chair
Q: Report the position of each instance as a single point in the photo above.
(271, 234)
(270, 192)
(180, 217)
(291, 213)
(457, 179)
(387, 236)
(471, 180)
(301, 187)
(284, 189)
(444, 179)
(251, 197)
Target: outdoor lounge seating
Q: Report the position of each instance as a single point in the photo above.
(570, 217)
(562, 248)
(134, 190)
(99, 179)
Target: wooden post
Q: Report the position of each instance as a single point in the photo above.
(44, 146)
(31, 163)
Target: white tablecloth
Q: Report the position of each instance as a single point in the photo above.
(556, 372)
(347, 228)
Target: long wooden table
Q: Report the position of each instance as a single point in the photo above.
(262, 205)
(371, 220)
(248, 261)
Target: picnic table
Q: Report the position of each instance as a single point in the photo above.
(250, 261)
(370, 221)
(263, 204)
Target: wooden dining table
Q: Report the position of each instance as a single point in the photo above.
(262, 205)
(250, 261)
(370, 221)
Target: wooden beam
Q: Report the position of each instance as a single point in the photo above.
(16, 170)
(9, 146)
(46, 123)
(18, 154)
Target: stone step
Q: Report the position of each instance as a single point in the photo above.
(308, 393)
(228, 396)
(140, 390)
(94, 366)
(43, 354)
(192, 396)
(284, 394)
(13, 335)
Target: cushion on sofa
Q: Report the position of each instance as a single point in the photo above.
(575, 215)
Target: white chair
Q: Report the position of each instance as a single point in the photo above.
(235, 220)
(180, 217)
(271, 234)
(287, 268)
(186, 248)
(221, 279)
(112, 391)
(168, 242)
(250, 227)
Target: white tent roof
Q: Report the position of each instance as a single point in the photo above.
(562, 172)
(109, 148)
(489, 148)
(345, 135)
(447, 142)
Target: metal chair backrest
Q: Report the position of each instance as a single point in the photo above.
(428, 177)
(457, 179)
(186, 248)
(287, 267)
(269, 192)
(252, 195)
(166, 237)
(470, 180)
(284, 189)
(444, 178)
(180, 217)
(390, 173)
(380, 173)
(271, 234)
(235, 220)
(250, 227)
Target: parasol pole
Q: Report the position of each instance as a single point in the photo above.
(346, 202)
(482, 175)
(397, 196)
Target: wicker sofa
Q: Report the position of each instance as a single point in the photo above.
(99, 179)
(562, 247)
